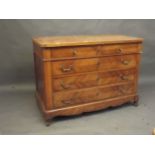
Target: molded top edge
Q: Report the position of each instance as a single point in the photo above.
(59, 41)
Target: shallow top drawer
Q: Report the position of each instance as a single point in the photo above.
(119, 49)
(74, 52)
(94, 51)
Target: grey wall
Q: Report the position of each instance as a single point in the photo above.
(16, 59)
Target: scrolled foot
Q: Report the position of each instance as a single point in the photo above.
(48, 122)
(135, 101)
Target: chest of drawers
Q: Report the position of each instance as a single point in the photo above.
(77, 74)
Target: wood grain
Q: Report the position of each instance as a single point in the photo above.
(59, 41)
(94, 64)
(61, 53)
(82, 108)
(94, 79)
(77, 74)
(69, 98)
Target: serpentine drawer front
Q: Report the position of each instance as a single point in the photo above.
(77, 74)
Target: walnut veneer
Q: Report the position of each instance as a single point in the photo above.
(76, 74)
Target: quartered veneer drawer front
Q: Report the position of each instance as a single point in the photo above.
(94, 51)
(69, 98)
(67, 67)
(94, 79)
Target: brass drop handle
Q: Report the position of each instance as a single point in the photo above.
(98, 78)
(67, 101)
(98, 63)
(122, 91)
(64, 86)
(119, 51)
(74, 52)
(125, 62)
(124, 77)
(63, 69)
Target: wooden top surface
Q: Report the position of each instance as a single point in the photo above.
(58, 41)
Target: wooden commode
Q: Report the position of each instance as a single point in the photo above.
(77, 74)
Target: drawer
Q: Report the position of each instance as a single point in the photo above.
(94, 51)
(94, 79)
(74, 52)
(68, 98)
(67, 67)
(119, 49)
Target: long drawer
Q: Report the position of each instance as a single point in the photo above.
(94, 51)
(68, 98)
(67, 67)
(94, 79)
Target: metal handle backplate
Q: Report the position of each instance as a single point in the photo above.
(124, 77)
(125, 62)
(64, 86)
(119, 51)
(74, 52)
(68, 69)
(122, 91)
